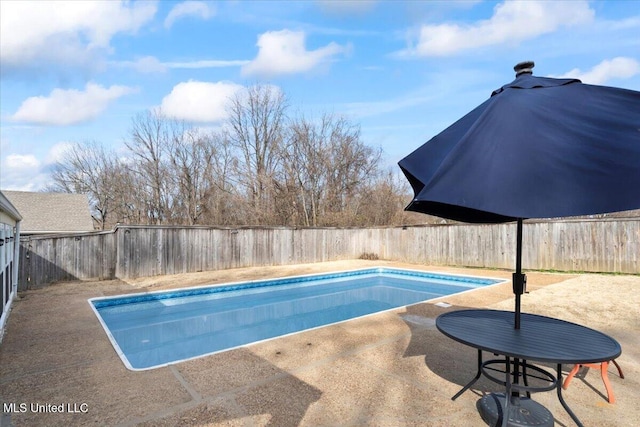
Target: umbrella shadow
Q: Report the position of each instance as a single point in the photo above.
(452, 361)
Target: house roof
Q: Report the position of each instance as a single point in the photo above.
(7, 207)
(51, 212)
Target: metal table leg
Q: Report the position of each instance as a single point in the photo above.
(470, 383)
(564, 404)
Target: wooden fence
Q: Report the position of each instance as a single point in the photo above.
(135, 251)
(52, 258)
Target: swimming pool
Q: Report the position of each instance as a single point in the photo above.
(154, 329)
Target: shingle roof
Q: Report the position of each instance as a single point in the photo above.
(51, 212)
(7, 207)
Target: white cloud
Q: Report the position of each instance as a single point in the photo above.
(22, 173)
(606, 70)
(284, 52)
(66, 107)
(199, 9)
(147, 64)
(26, 172)
(196, 101)
(512, 22)
(65, 32)
(57, 152)
(151, 64)
(22, 161)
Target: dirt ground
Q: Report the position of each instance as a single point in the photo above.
(57, 366)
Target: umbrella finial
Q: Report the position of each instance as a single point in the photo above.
(525, 67)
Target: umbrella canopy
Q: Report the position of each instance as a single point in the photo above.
(537, 148)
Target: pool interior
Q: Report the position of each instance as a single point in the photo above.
(155, 329)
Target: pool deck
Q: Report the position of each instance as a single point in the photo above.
(387, 369)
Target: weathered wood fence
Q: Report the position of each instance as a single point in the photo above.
(611, 245)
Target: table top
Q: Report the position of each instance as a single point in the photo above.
(540, 338)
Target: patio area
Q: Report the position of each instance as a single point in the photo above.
(385, 369)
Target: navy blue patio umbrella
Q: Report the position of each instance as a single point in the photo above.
(537, 148)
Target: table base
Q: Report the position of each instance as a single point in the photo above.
(521, 412)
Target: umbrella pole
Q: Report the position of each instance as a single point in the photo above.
(518, 280)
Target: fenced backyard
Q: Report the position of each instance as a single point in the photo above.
(128, 252)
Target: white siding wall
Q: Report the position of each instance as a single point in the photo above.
(7, 266)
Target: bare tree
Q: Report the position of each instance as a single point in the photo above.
(129, 196)
(89, 168)
(256, 122)
(306, 160)
(224, 204)
(331, 168)
(350, 164)
(353, 164)
(151, 137)
(386, 197)
(190, 158)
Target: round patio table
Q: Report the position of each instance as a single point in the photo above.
(539, 339)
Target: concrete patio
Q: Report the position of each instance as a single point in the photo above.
(380, 370)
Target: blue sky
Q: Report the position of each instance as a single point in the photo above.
(80, 71)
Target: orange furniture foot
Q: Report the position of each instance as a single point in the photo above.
(604, 366)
